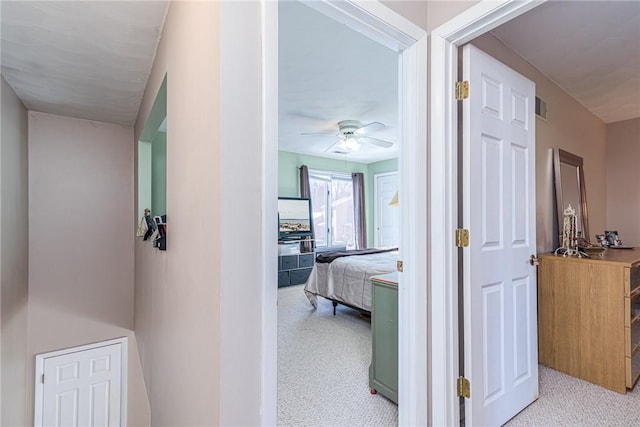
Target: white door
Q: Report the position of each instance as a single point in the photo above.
(80, 388)
(387, 230)
(500, 309)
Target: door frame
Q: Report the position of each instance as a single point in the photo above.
(39, 369)
(382, 24)
(376, 214)
(443, 194)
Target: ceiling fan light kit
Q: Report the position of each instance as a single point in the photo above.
(349, 144)
(352, 135)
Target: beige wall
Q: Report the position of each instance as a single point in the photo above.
(440, 12)
(623, 180)
(14, 258)
(81, 243)
(177, 302)
(428, 15)
(569, 126)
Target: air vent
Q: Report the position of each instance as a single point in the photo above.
(541, 109)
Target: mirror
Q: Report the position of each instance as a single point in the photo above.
(570, 188)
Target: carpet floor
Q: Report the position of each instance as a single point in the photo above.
(568, 401)
(323, 366)
(323, 377)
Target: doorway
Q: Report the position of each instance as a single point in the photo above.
(386, 215)
(385, 26)
(444, 214)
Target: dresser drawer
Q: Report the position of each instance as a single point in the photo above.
(297, 277)
(289, 262)
(631, 309)
(283, 278)
(632, 365)
(632, 338)
(634, 281)
(306, 260)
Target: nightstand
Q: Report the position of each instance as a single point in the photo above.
(383, 372)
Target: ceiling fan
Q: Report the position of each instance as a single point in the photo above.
(353, 134)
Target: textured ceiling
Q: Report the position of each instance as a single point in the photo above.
(329, 73)
(589, 48)
(91, 59)
(85, 59)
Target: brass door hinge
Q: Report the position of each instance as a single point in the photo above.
(462, 90)
(462, 237)
(399, 266)
(463, 387)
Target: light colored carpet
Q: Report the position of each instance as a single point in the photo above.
(323, 377)
(569, 401)
(323, 366)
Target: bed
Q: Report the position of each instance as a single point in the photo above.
(346, 278)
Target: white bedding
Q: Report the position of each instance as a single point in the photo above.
(347, 279)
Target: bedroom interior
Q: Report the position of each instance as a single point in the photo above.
(340, 120)
(569, 125)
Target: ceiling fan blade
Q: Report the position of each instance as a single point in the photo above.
(375, 141)
(334, 148)
(371, 127)
(318, 134)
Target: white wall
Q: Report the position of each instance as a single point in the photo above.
(81, 241)
(14, 258)
(243, 190)
(623, 180)
(177, 292)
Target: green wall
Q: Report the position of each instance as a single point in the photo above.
(152, 158)
(144, 177)
(288, 176)
(159, 174)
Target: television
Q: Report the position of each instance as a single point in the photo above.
(294, 218)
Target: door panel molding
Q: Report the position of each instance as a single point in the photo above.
(378, 207)
(495, 263)
(443, 191)
(40, 370)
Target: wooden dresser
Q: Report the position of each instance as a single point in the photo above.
(383, 372)
(589, 317)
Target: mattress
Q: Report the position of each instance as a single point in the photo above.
(348, 279)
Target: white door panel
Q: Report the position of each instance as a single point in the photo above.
(82, 388)
(500, 317)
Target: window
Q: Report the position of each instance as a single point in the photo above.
(332, 204)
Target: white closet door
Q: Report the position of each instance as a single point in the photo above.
(82, 388)
(387, 232)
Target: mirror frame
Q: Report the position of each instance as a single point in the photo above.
(561, 156)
